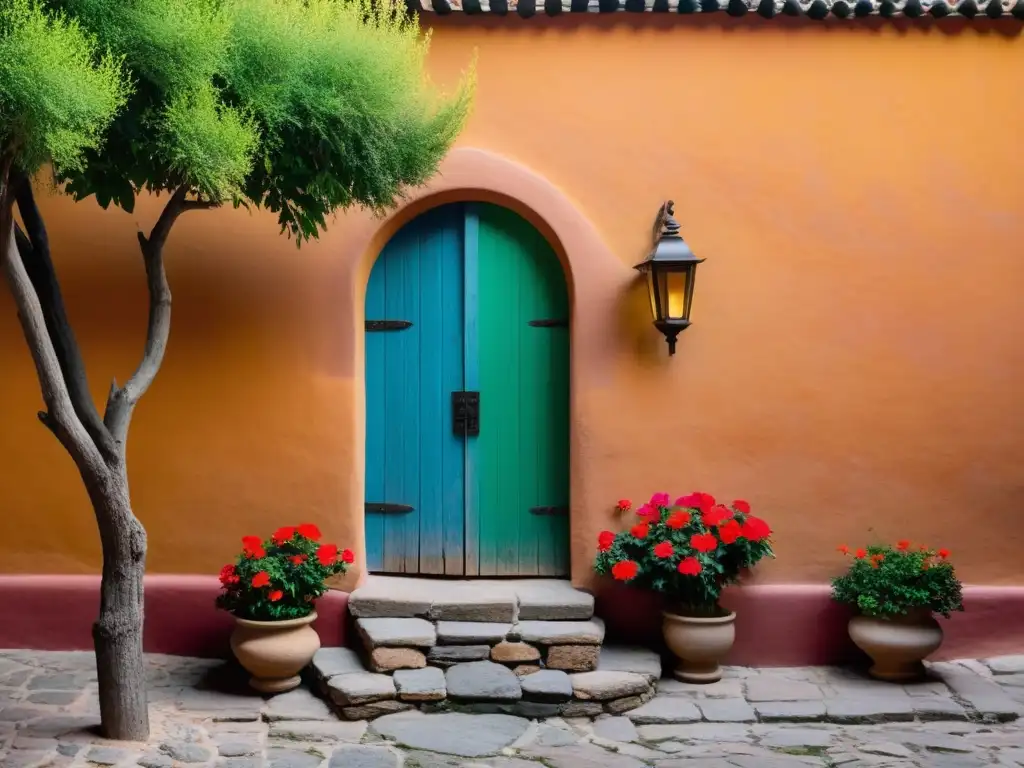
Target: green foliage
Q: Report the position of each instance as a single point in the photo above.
(346, 113)
(58, 91)
(689, 550)
(885, 581)
(282, 577)
(301, 106)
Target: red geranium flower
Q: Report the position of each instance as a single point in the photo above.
(689, 566)
(707, 501)
(327, 554)
(624, 505)
(716, 515)
(228, 576)
(678, 519)
(624, 570)
(659, 500)
(640, 530)
(860, 554)
(704, 542)
(844, 549)
(297, 559)
(729, 531)
(903, 545)
(741, 506)
(276, 595)
(347, 556)
(309, 531)
(605, 539)
(943, 553)
(755, 529)
(664, 549)
(690, 501)
(252, 546)
(646, 510)
(261, 579)
(281, 535)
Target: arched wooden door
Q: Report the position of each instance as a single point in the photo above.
(467, 396)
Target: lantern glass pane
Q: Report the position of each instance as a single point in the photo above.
(652, 293)
(675, 288)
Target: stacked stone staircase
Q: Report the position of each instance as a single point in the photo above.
(528, 647)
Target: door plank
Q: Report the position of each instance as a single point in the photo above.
(524, 383)
(412, 456)
(471, 342)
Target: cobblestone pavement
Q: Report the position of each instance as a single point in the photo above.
(202, 717)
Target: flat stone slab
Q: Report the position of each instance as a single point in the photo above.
(299, 704)
(605, 686)
(425, 684)
(790, 711)
(797, 737)
(984, 695)
(547, 685)
(726, 711)
(391, 597)
(361, 688)
(665, 710)
(397, 633)
(452, 733)
(621, 658)
(475, 601)
(552, 600)
(455, 654)
(328, 662)
(773, 688)
(851, 709)
(483, 681)
(562, 632)
(471, 632)
(363, 756)
(1006, 665)
(308, 730)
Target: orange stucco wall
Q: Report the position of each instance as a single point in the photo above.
(854, 366)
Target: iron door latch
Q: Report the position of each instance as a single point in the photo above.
(466, 414)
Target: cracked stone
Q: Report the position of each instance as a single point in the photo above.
(727, 711)
(185, 751)
(604, 686)
(452, 733)
(390, 659)
(562, 632)
(665, 710)
(548, 685)
(507, 652)
(471, 632)
(573, 658)
(426, 684)
(482, 680)
(360, 688)
(282, 757)
(396, 633)
(363, 756)
(790, 711)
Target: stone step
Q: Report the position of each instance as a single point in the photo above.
(486, 601)
(626, 679)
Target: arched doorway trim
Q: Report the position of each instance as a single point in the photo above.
(468, 175)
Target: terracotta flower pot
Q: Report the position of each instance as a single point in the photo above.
(274, 652)
(699, 643)
(897, 645)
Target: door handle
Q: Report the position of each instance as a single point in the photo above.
(466, 414)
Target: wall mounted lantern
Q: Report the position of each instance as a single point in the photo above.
(670, 270)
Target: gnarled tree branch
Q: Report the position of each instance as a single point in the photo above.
(60, 416)
(121, 401)
(34, 248)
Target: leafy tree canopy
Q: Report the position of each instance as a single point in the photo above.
(300, 106)
(58, 94)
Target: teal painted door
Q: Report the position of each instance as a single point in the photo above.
(467, 298)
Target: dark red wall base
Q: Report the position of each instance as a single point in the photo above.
(56, 613)
(798, 624)
(776, 625)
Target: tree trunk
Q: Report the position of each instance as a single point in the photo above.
(117, 634)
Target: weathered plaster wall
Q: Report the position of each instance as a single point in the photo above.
(853, 370)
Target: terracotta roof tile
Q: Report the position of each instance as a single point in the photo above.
(814, 9)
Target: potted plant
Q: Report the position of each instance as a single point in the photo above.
(896, 592)
(688, 551)
(271, 589)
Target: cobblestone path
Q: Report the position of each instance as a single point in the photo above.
(202, 717)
